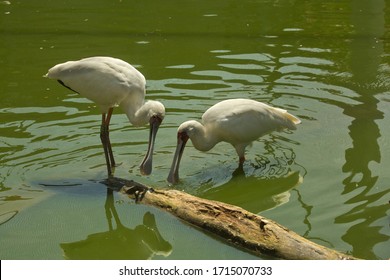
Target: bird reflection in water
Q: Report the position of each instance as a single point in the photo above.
(265, 184)
(142, 242)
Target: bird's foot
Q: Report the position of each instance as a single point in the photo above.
(239, 170)
(138, 190)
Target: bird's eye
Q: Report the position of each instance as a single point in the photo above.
(183, 135)
(155, 119)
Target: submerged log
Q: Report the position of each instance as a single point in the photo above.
(253, 233)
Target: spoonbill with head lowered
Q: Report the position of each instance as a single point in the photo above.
(236, 121)
(111, 82)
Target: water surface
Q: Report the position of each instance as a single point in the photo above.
(327, 63)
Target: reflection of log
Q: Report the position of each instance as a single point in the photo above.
(253, 233)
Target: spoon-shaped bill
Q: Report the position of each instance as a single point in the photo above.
(146, 165)
(173, 177)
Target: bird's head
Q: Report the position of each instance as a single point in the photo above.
(189, 129)
(156, 111)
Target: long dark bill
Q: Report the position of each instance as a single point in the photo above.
(146, 165)
(173, 177)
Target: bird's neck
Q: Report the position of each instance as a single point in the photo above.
(136, 110)
(202, 139)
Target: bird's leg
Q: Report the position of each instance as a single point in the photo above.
(108, 119)
(240, 169)
(241, 161)
(105, 138)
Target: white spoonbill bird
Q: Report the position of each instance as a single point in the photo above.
(111, 82)
(236, 121)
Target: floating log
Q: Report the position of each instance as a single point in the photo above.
(251, 232)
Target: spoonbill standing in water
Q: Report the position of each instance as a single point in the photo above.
(236, 121)
(111, 82)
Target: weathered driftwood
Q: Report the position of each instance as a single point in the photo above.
(251, 232)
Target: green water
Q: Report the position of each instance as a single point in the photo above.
(327, 62)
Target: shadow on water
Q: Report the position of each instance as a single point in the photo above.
(360, 182)
(120, 242)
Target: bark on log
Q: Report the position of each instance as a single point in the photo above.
(253, 233)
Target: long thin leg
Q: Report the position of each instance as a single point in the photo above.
(108, 119)
(241, 160)
(240, 169)
(105, 138)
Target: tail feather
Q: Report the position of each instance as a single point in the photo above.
(289, 121)
(293, 118)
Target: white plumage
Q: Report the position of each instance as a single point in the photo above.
(111, 82)
(236, 121)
